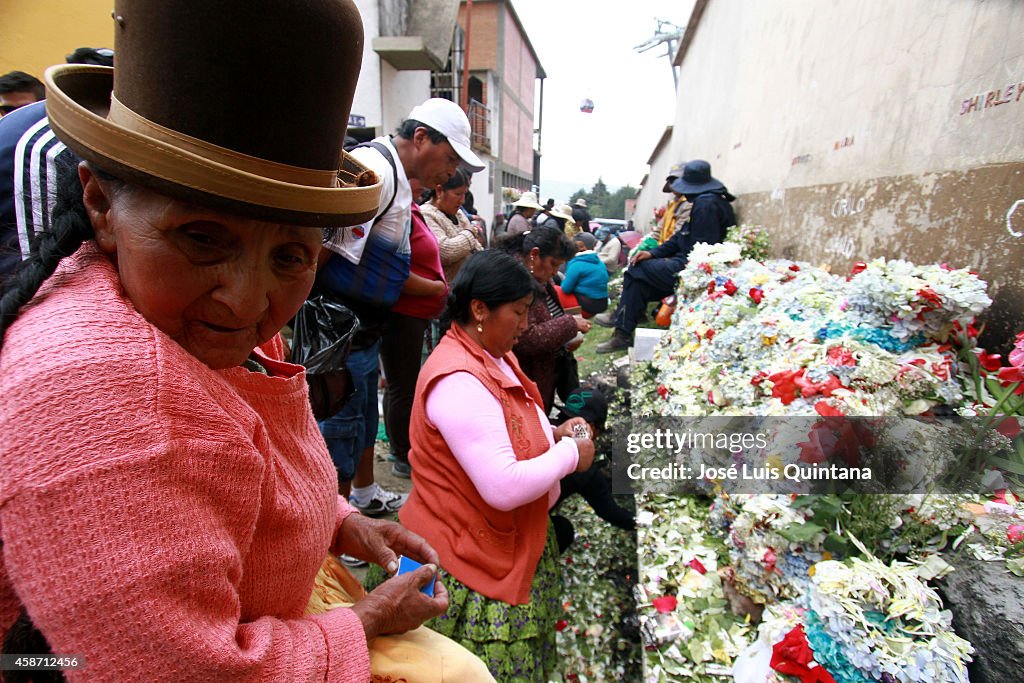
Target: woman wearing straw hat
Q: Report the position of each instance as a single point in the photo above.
(165, 497)
(523, 209)
(560, 218)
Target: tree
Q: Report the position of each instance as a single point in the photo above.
(616, 204)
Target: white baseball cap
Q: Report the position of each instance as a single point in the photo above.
(447, 118)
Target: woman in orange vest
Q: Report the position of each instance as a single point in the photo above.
(486, 470)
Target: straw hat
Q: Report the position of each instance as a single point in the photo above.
(222, 104)
(562, 211)
(528, 200)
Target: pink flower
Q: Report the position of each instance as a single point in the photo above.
(1015, 533)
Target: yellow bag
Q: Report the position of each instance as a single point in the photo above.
(417, 656)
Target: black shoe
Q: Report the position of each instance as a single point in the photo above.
(617, 342)
(402, 470)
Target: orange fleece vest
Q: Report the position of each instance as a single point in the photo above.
(493, 552)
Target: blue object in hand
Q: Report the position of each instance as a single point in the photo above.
(406, 564)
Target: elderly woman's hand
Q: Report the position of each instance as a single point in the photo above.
(381, 542)
(397, 605)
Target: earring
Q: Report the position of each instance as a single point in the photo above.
(531, 265)
(480, 327)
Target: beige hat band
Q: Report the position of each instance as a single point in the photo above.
(130, 120)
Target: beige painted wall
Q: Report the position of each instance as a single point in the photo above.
(39, 33)
(862, 129)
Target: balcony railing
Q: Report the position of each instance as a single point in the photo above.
(480, 125)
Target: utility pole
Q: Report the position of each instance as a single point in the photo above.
(667, 34)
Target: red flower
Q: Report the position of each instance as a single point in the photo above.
(1009, 427)
(663, 391)
(730, 287)
(561, 625)
(709, 335)
(858, 268)
(989, 361)
(793, 656)
(756, 294)
(696, 565)
(784, 385)
(794, 267)
(840, 355)
(711, 287)
(665, 604)
(706, 267)
(826, 410)
(933, 299)
(1010, 375)
(758, 378)
(1015, 533)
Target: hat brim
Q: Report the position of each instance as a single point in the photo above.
(683, 187)
(470, 161)
(528, 205)
(79, 102)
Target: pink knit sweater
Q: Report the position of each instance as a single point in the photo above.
(161, 518)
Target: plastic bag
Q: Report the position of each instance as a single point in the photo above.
(322, 336)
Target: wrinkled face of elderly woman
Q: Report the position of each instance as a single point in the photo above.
(219, 285)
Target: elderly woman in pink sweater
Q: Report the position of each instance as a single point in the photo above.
(165, 496)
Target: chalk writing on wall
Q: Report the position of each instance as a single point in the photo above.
(993, 98)
(1015, 215)
(842, 245)
(802, 159)
(845, 142)
(847, 206)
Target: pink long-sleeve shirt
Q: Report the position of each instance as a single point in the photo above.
(163, 519)
(502, 481)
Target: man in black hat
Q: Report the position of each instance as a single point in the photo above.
(653, 274)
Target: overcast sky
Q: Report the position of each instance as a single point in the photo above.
(586, 49)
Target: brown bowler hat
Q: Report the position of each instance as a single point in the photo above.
(233, 104)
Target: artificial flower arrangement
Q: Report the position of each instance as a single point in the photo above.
(785, 338)
(788, 339)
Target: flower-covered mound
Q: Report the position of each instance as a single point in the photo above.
(785, 338)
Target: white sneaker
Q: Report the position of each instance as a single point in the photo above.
(351, 561)
(384, 502)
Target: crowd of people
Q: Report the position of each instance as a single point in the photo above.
(170, 507)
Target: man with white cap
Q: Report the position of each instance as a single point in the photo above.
(429, 146)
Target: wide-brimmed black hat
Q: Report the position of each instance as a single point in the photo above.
(697, 178)
(235, 105)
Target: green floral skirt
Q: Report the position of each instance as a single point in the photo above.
(516, 642)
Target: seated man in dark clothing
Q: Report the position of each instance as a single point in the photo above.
(594, 484)
(653, 275)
